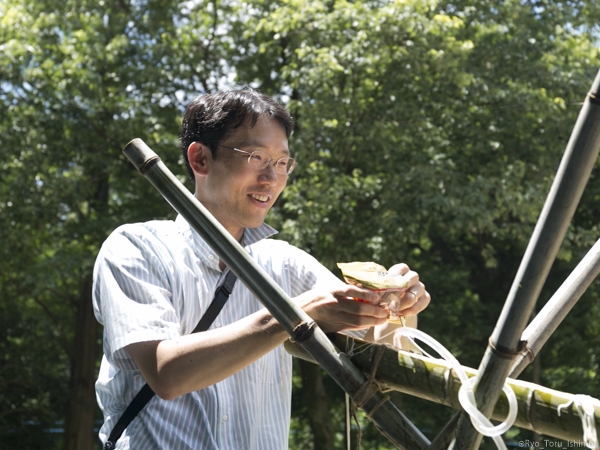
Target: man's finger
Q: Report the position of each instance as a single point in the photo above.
(418, 306)
(358, 321)
(348, 306)
(399, 269)
(352, 291)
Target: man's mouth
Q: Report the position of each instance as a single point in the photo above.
(260, 198)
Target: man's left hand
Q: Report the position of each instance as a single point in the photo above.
(416, 298)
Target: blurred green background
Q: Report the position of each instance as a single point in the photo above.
(428, 132)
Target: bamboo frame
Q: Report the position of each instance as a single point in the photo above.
(556, 309)
(505, 344)
(390, 421)
(506, 353)
(434, 380)
(541, 328)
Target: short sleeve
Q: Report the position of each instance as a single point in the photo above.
(132, 292)
(306, 272)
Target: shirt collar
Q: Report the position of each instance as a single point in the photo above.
(207, 254)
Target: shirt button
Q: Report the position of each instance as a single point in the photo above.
(225, 417)
(217, 324)
(211, 257)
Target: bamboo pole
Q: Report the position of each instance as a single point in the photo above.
(434, 380)
(388, 419)
(556, 309)
(505, 345)
(543, 325)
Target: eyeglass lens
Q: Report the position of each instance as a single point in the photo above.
(260, 160)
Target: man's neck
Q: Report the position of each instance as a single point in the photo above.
(222, 265)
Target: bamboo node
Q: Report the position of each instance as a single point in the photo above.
(506, 353)
(148, 164)
(303, 331)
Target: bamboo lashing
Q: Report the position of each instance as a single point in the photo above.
(434, 380)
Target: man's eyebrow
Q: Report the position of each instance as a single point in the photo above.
(254, 143)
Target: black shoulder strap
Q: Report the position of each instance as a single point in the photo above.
(222, 293)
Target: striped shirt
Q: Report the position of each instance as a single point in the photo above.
(154, 281)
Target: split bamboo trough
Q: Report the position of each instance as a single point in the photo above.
(434, 380)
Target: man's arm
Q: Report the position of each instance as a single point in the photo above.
(175, 367)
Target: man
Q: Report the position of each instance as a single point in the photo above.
(228, 387)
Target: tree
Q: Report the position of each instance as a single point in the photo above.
(78, 80)
(426, 131)
(430, 132)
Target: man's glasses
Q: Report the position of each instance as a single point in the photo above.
(260, 160)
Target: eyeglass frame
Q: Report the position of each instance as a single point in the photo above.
(294, 162)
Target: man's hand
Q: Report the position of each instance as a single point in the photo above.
(336, 310)
(416, 298)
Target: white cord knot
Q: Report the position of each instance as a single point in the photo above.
(466, 394)
(584, 405)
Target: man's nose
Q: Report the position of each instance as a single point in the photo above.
(269, 175)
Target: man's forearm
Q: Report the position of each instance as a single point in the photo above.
(175, 367)
(188, 363)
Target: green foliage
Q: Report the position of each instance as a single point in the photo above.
(430, 133)
(427, 132)
(77, 82)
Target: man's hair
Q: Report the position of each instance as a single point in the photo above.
(209, 118)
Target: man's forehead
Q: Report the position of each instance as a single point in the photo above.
(258, 142)
(266, 133)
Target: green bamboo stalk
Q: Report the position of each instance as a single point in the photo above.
(384, 414)
(556, 309)
(504, 344)
(434, 380)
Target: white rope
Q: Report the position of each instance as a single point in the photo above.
(466, 394)
(348, 424)
(353, 349)
(584, 405)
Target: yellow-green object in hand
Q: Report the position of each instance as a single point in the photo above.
(375, 277)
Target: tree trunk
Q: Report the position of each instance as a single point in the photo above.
(317, 407)
(79, 424)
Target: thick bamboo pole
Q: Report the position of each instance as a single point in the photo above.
(434, 380)
(388, 419)
(556, 309)
(565, 193)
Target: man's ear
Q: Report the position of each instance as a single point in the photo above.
(199, 156)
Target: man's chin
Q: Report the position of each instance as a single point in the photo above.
(255, 222)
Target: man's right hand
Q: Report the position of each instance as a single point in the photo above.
(336, 310)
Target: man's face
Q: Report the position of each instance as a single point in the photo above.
(238, 195)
